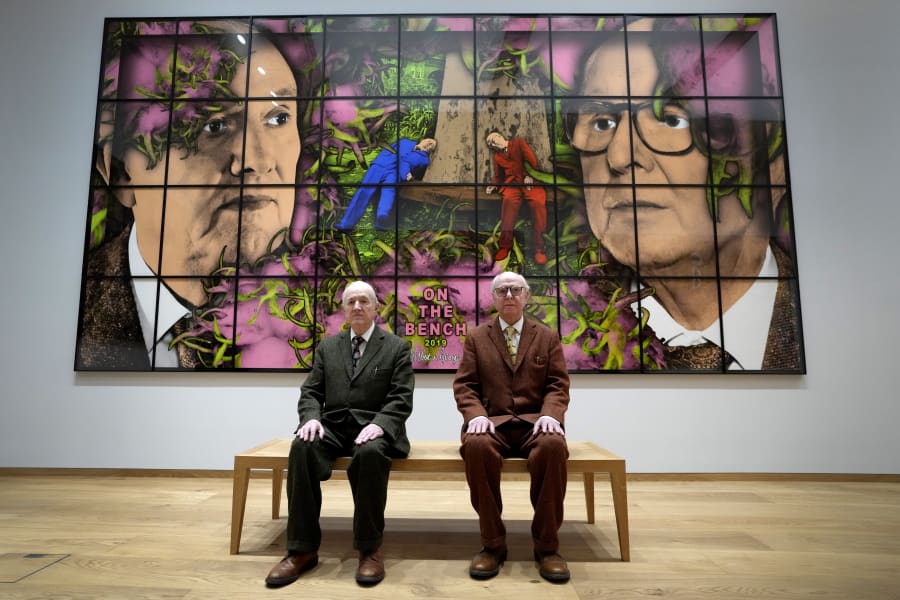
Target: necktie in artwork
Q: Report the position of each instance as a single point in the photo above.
(511, 343)
(187, 357)
(705, 356)
(356, 343)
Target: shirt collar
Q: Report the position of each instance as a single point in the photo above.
(365, 336)
(518, 324)
(144, 282)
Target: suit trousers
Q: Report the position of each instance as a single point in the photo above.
(310, 463)
(546, 455)
(509, 212)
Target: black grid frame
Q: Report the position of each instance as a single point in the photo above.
(228, 153)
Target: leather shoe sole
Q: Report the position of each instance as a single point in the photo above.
(553, 568)
(486, 564)
(290, 568)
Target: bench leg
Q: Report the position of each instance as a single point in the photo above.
(277, 478)
(589, 495)
(238, 503)
(620, 503)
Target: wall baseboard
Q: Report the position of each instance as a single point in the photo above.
(212, 473)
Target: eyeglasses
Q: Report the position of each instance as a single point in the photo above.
(663, 126)
(515, 290)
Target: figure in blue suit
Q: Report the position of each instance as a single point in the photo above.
(404, 161)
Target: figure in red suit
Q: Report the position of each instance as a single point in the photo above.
(515, 185)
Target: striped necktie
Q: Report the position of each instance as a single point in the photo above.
(357, 342)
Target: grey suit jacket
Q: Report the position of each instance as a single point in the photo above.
(380, 392)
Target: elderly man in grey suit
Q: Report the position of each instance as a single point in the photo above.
(355, 403)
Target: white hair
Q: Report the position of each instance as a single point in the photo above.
(507, 275)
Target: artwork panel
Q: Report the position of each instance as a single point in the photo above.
(330, 203)
(303, 51)
(266, 214)
(361, 63)
(367, 234)
(783, 236)
(108, 219)
(264, 322)
(741, 55)
(436, 62)
(573, 40)
(512, 56)
(135, 54)
(528, 119)
(435, 313)
(436, 231)
(198, 231)
(330, 317)
(110, 331)
(675, 229)
(761, 331)
(132, 144)
(332, 251)
(290, 25)
(139, 56)
(683, 313)
(484, 299)
(438, 23)
(361, 24)
(355, 131)
(601, 328)
(452, 125)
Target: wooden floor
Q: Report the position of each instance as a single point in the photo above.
(79, 537)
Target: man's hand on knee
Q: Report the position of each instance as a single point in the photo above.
(480, 425)
(369, 432)
(310, 431)
(547, 424)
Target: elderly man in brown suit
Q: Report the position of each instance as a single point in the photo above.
(512, 389)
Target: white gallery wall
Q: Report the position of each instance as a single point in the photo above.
(841, 70)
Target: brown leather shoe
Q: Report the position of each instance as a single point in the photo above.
(371, 567)
(487, 563)
(552, 567)
(291, 567)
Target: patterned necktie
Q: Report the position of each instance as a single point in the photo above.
(706, 356)
(511, 343)
(187, 357)
(356, 344)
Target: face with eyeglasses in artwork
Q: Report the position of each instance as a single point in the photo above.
(511, 293)
(643, 171)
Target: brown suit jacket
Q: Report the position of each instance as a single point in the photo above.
(488, 384)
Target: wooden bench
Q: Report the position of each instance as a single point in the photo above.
(433, 457)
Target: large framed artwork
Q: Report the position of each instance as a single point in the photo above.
(633, 168)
